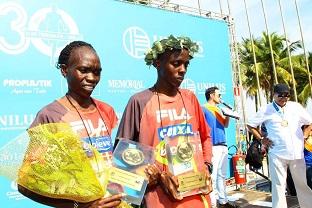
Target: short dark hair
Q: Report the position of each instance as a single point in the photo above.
(65, 53)
(209, 91)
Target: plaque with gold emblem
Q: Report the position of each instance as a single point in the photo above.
(185, 151)
(185, 160)
(127, 174)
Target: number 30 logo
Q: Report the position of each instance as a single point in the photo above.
(48, 30)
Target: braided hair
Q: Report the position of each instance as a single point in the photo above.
(65, 53)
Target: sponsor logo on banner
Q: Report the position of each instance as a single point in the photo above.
(11, 158)
(136, 42)
(13, 193)
(48, 29)
(27, 86)
(189, 84)
(125, 85)
(200, 87)
(16, 121)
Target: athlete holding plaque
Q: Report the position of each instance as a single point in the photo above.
(163, 112)
(283, 120)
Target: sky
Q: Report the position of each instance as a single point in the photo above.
(256, 17)
(257, 22)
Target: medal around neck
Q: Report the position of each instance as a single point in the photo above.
(284, 123)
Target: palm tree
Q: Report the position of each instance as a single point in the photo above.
(301, 75)
(264, 63)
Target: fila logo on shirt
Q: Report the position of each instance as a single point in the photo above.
(94, 131)
(173, 115)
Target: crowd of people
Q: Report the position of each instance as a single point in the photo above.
(143, 122)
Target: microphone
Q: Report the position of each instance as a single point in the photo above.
(229, 111)
(227, 105)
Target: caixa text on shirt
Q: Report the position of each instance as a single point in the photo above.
(102, 144)
(175, 130)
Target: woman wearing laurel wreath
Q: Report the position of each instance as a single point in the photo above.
(70, 139)
(152, 114)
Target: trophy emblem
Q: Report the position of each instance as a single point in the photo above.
(185, 151)
(132, 156)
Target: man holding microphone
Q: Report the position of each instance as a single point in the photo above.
(217, 123)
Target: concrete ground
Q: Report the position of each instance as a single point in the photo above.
(256, 192)
(257, 199)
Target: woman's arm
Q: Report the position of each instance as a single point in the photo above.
(107, 202)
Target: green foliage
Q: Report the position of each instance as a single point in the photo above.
(265, 65)
(170, 43)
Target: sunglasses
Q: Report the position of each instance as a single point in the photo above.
(283, 95)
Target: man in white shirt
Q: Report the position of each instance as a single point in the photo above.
(285, 142)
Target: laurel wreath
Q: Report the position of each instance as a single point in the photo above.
(170, 43)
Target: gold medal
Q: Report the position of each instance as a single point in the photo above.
(185, 151)
(132, 156)
(284, 123)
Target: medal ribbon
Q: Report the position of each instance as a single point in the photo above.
(279, 111)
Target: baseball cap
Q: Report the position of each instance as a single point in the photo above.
(281, 88)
